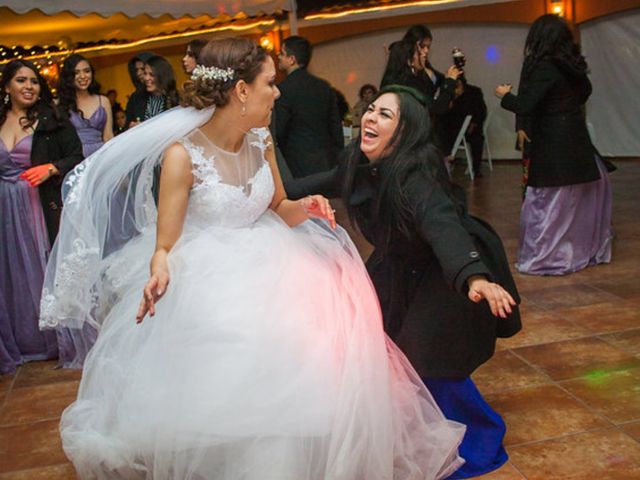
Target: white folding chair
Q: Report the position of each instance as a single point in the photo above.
(485, 130)
(461, 144)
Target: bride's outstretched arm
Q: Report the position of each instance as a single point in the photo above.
(294, 212)
(175, 183)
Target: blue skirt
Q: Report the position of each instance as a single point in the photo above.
(460, 400)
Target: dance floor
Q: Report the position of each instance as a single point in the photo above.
(568, 386)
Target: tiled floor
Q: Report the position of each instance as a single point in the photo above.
(568, 386)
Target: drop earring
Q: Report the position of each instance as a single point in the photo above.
(7, 99)
(243, 112)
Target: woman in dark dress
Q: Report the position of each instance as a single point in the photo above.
(37, 148)
(565, 222)
(160, 82)
(432, 266)
(408, 64)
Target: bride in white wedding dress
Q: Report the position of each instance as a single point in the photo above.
(263, 355)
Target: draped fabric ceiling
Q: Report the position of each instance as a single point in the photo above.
(43, 22)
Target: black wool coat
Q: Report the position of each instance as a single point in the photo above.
(421, 279)
(54, 141)
(552, 99)
(308, 124)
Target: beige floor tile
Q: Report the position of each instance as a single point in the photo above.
(33, 404)
(505, 371)
(542, 412)
(30, 445)
(599, 455)
(577, 358)
(615, 395)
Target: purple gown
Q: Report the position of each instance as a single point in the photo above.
(24, 246)
(90, 129)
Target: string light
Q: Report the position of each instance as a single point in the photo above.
(357, 11)
(48, 51)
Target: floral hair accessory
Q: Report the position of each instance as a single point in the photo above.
(212, 73)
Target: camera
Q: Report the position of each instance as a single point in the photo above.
(459, 60)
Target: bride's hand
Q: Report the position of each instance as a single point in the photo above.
(153, 291)
(319, 207)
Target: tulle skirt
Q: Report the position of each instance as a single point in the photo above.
(266, 359)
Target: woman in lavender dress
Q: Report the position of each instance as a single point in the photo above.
(37, 148)
(90, 112)
(565, 223)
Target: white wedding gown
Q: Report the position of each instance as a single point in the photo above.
(266, 359)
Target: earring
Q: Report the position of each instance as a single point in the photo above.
(243, 112)
(7, 99)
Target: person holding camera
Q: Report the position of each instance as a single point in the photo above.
(408, 64)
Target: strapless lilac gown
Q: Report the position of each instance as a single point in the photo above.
(90, 129)
(24, 246)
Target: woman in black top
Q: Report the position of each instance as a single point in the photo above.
(408, 64)
(566, 216)
(160, 82)
(433, 263)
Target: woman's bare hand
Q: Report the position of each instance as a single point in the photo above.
(319, 207)
(453, 72)
(522, 137)
(153, 291)
(500, 301)
(502, 90)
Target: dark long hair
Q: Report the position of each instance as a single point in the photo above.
(165, 79)
(398, 69)
(45, 99)
(413, 150)
(195, 46)
(551, 38)
(416, 34)
(66, 87)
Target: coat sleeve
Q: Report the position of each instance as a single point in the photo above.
(69, 148)
(438, 224)
(479, 108)
(542, 79)
(283, 117)
(335, 123)
(441, 102)
(325, 183)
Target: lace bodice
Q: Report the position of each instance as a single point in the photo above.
(230, 189)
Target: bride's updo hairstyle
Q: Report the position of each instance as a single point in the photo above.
(232, 59)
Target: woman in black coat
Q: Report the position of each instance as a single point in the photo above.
(37, 148)
(566, 216)
(432, 266)
(408, 64)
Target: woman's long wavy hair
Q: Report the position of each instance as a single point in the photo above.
(66, 88)
(45, 99)
(401, 53)
(550, 37)
(165, 79)
(410, 149)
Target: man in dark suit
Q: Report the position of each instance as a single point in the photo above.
(467, 100)
(308, 125)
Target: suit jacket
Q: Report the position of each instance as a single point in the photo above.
(471, 102)
(553, 97)
(308, 125)
(421, 278)
(56, 141)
